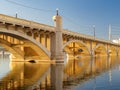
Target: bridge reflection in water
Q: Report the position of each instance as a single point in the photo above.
(46, 76)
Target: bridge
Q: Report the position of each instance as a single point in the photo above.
(27, 40)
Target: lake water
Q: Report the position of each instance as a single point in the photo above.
(86, 73)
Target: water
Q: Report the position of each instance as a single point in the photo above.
(86, 73)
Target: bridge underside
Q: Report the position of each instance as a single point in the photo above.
(100, 50)
(112, 51)
(76, 50)
(21, 48)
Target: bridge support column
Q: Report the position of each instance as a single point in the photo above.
(57, 40)
(45, 40)
(91, 49)
(117, 51)
(108, 51)
(57, 54)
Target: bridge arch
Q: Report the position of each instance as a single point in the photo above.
(79, 45)
(36, 46)
(7, 46)
(112, 50)
(100, 49)
(118, 51)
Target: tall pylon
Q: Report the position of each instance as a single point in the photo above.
(110, 29)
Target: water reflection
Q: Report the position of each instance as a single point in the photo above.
(57, 76)
(42, 76)
(80, 71)
(24, 76)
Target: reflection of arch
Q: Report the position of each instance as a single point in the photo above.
(21, 36)
(100, 49)
(76, 67)
(80, 43)
(24, 73)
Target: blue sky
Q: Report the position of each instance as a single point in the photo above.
(78, 15)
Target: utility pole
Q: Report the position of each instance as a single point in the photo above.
(94, 31)
(110, 28)
(16, 15)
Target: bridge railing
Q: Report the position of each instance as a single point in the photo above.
(39, 26)
(24, 23)
(87, 37)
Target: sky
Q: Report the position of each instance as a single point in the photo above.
(77, 15)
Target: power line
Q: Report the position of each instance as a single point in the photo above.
(44, 10)
(73, 22)
(88, 30)
(115, 30)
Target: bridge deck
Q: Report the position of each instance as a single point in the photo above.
(38, 26)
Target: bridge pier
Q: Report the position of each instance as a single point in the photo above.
(92, 50)
(57, 41)
(57, 54)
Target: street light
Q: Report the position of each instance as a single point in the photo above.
(110, 28)
(16, 15)
(94, 30)
(57, 11)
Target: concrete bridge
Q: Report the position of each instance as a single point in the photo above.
(28, 40)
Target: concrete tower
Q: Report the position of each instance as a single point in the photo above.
(57, 43)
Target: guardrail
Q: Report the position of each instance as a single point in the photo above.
(87, 37)
(25, 23)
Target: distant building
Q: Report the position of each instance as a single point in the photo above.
(116, 41)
